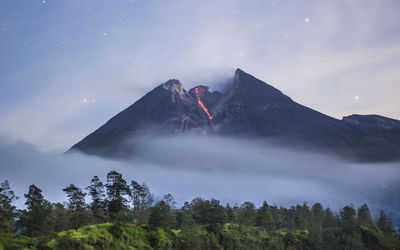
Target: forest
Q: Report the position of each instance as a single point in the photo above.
(118, 214)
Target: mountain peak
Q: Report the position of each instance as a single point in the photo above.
(238, 71)
(172, 83)
(175, 86)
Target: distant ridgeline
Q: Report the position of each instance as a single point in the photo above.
(123, 215)
(248, 107)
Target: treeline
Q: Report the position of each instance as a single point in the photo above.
(199, 224)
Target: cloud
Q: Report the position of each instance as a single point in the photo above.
(232, 170)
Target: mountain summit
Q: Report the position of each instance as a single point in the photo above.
(248, 107)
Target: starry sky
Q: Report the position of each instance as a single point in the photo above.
(67, 66)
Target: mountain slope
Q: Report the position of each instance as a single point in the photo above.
(248, 107)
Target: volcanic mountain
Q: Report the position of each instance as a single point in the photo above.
(248, 107)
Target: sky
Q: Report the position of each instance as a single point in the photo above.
(66, 67)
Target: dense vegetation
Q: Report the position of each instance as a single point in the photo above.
(123, 215)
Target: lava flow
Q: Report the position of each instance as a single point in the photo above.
(201, 103)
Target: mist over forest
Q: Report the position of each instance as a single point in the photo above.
(230, 170)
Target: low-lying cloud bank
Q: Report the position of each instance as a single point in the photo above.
(231, 170)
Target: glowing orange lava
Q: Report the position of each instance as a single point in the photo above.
(201, 103)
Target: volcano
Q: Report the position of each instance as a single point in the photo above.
(249, 108)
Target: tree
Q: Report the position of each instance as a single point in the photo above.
(160, 215)
(390, 226)
(247, 214)
(7, 209)
(217, 216)
(97, 194)
(170, 200)
(60, 214)
(36, 219)
(330, 218)
(302, 216)
(264, 217)
(76, 205)
(141, 200)
(384, 223)
(136, 189)
(348, 220)
(117, 190)
(230, 213)
(364, 216)
(146, 198)
(317, 217)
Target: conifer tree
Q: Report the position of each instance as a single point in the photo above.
(97, 195)
(264, 217)
(348, 220)
(7, 209)
(117, 191)
(36, 219)
(76, 205)
(160, 215)
(317, 217)
(364, 216)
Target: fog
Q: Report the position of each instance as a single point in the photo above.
(231, 170)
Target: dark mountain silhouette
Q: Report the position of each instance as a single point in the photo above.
(248, 107)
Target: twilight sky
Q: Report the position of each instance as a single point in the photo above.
(67, 66)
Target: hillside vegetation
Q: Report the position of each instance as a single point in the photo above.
(124, 216)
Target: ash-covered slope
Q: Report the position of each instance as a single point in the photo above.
(248, 108)
(166, 109)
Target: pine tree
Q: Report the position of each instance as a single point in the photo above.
(247, 214)
(390, 226)
(364, 216)
(317, 218)
(7, 209)
(384, 223)
(230, 213)
(330, 220)
(117, 190)
(97, 194)
(160, 215)
(348, 220)
(36, 219)
(264, 217)
(60, 214)
(76, 205)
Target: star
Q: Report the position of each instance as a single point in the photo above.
(356, 97)
(85, 100)
(307, 19)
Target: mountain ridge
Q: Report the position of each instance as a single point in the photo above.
(248, 107)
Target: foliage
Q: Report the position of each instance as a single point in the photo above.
(76, 205)
(199, 224)
(7, 209)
